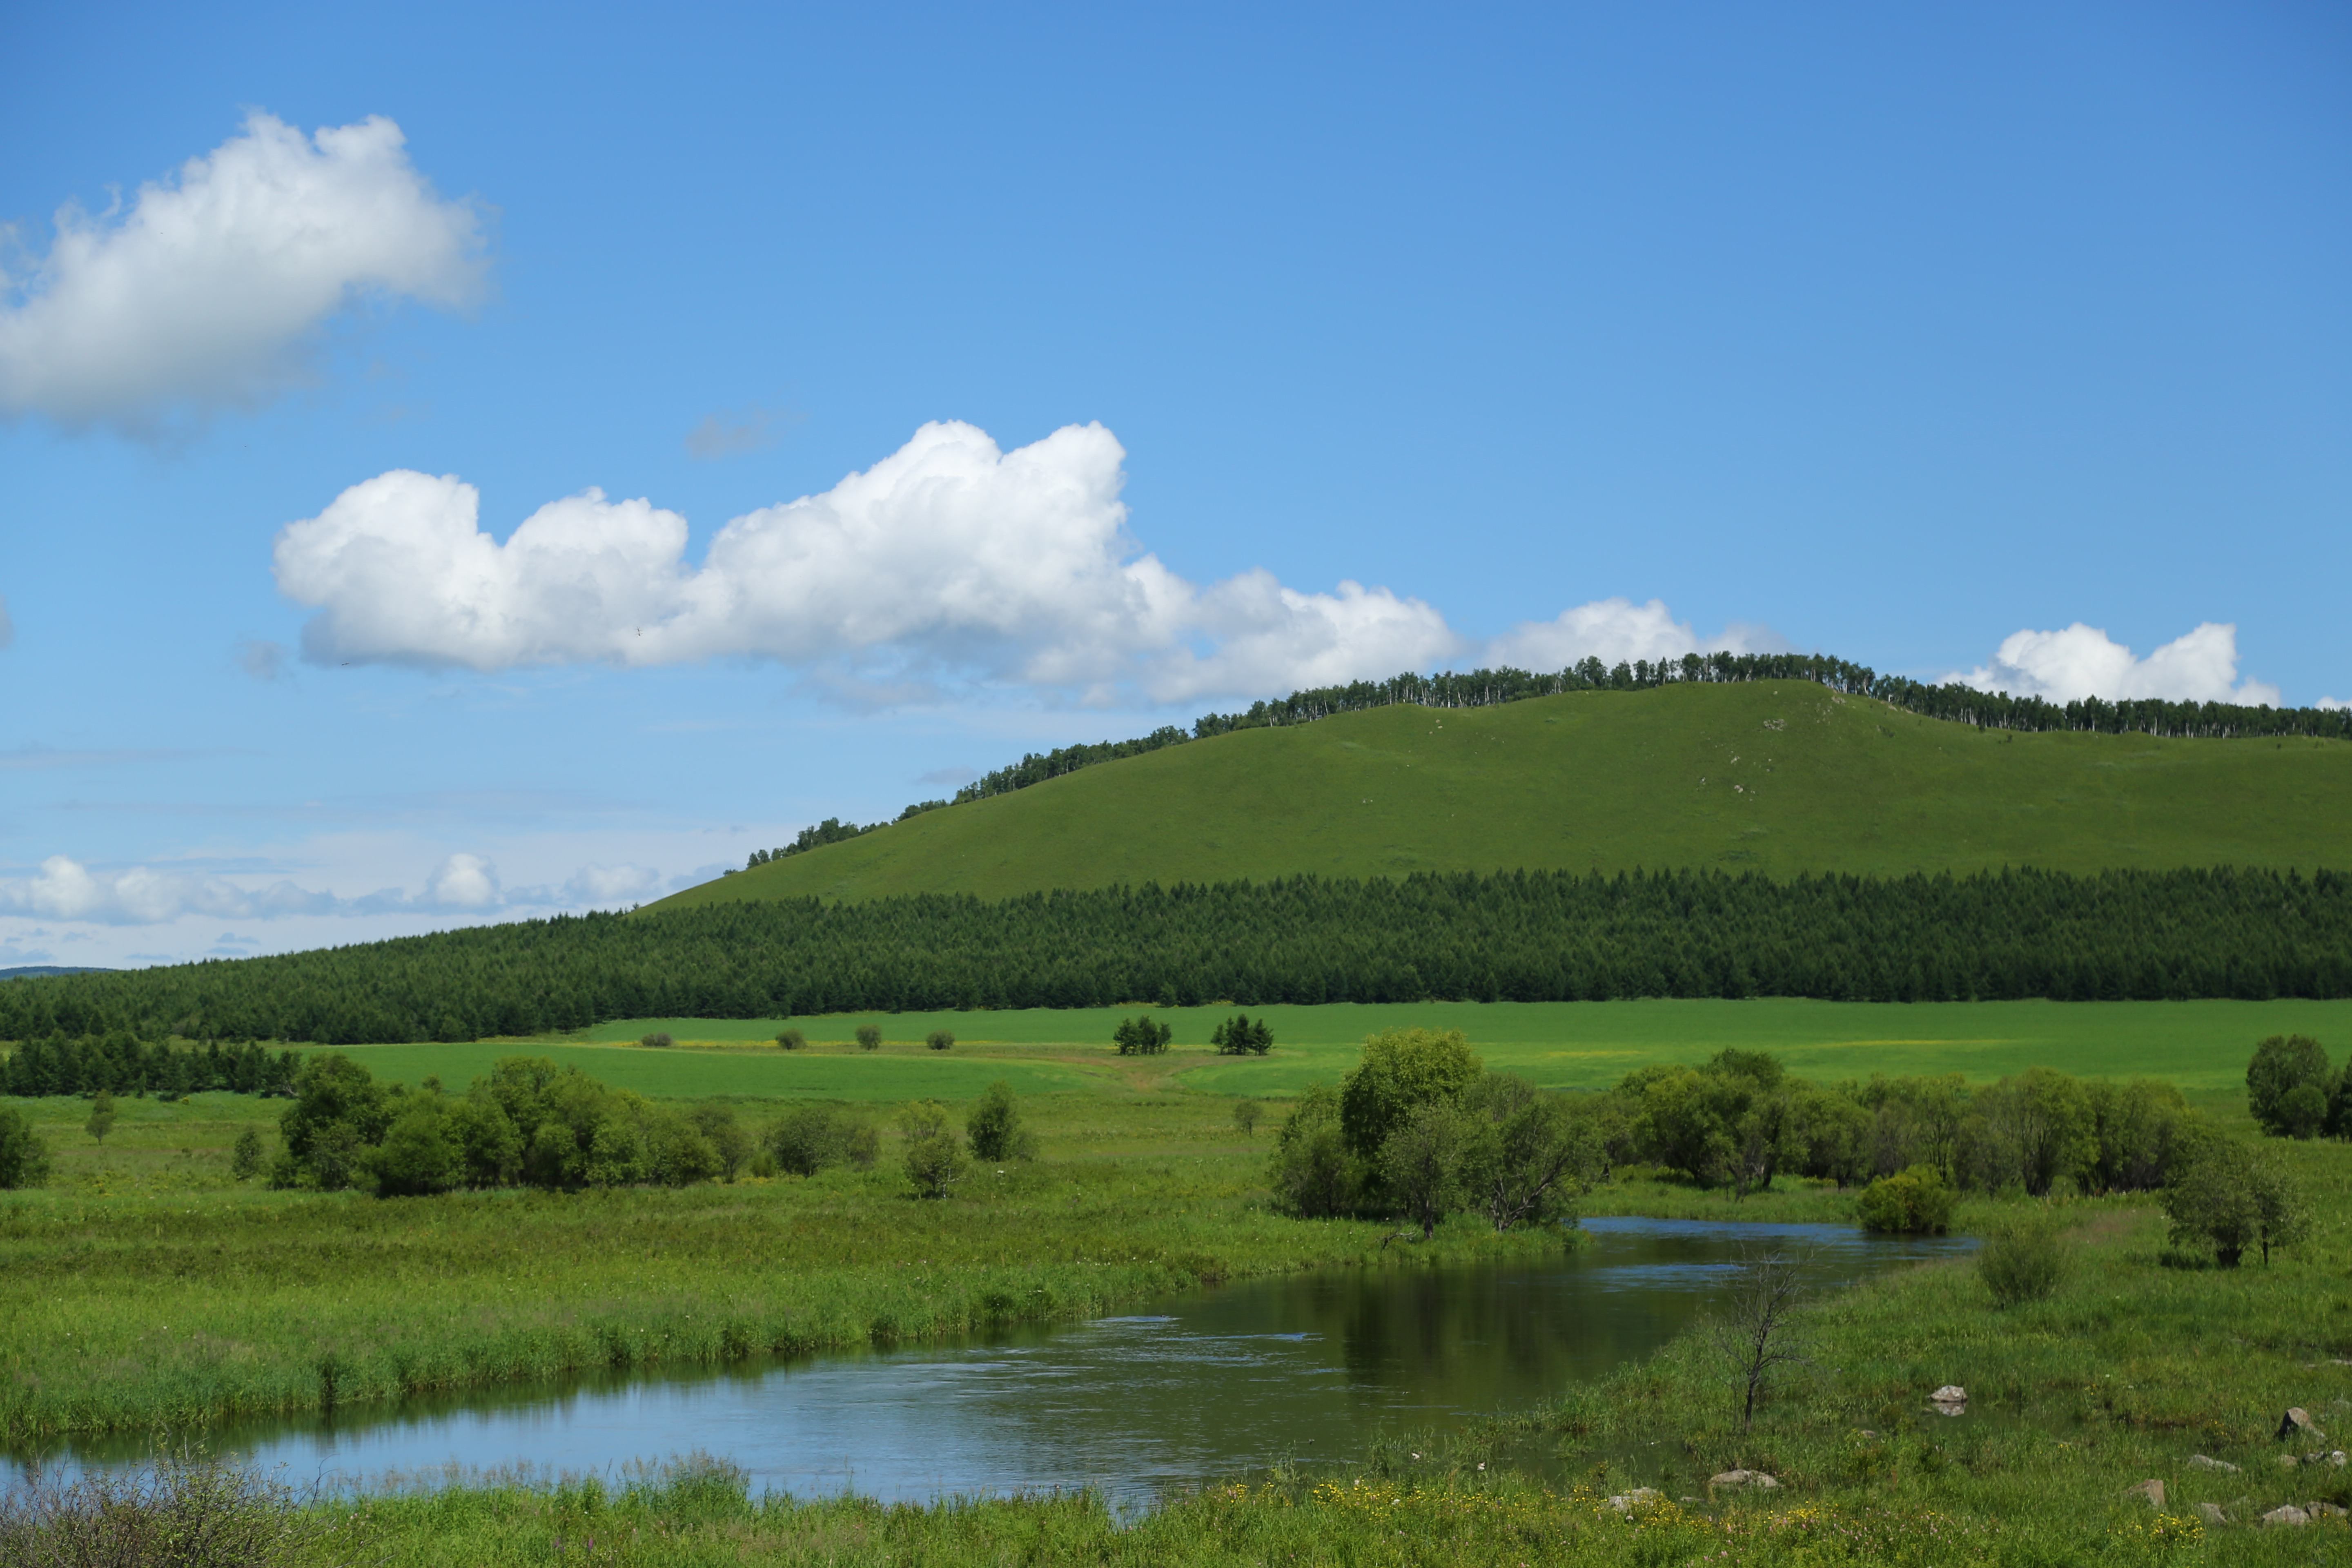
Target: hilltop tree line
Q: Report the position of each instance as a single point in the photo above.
(1511, 936)
(119, 1062)
(1489, 687)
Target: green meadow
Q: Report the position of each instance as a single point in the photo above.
(1779, 777)
(1559, 1045)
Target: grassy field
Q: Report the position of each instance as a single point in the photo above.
(1561, 1044)
(1778, 777)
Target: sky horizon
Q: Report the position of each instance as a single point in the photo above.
(471, 465)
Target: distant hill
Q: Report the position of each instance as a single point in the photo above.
(1782, 777)
(36, 971)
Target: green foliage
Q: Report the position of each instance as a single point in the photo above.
(2282, 1066)
(809, 1138)
(2023, 1261)
(994, 1127)
(790, 1039)
(186, 1510)
(1422, 1161)
(1521, 937)
(101, 1116)
(1143, 1036)
(940, 1039)
(24, 1157)
(1914, 1202)
(656, 1041)
(1401, 1070)
(1239, 1036)
(119, 1060)
(1530, 1155)
(1313, 1172)
(2233, 1197)
(244, 1157)
(934, 1156)
(869, 1037)
(728, 1140)
(1246, 1115)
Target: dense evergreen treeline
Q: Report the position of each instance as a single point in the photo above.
(119, 1062)
(1519, 936)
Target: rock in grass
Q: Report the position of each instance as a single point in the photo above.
(2297, 1423)
(2318, 1509)
(2207, 1462)
(2288, 1514)
(2210, 1513)
(1757, 1479)
(2336, 1458)
(2150, 1488)
(1950, 1394)
(1640, 1497)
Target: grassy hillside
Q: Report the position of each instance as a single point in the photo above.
(1779, 777)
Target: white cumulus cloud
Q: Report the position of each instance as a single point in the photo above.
(2083, 661)
(209, 288)
(949, 556)
(464, 882)
(1617, 631)
(66, 890)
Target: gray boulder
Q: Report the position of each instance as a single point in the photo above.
(2289, 1514)
(2323, 1510)
(2207, 1462)
(2210, 1513)
(1640, 1497)
(2151, 1489)
(1757, 1479)
(2297, 1423)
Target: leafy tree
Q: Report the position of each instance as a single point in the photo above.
(1910, 1203)
(939, 1040)
(1237, 1036)
(244, 1155)
(24, 1157)
(1312, 1171)
(2141, 1130)
(1530, 1157)
(658, 1041)
(729, 1142)
(487, 1138)
(2216, 1200)
(1401, 1069)
(1422, 1161)
(2282, 1064)
(2304, 1111)
(1142, 1037)
(934, 1156)
(869, 1037)
(790, 1039)
(994, 1126)
(418, 1156)
(340, 1111)
(809, 1137)
(1245, 1114)
(2037, 1127)
(101, 1116)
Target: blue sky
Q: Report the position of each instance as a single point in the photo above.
(999, 377)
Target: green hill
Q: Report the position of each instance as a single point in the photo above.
(1779, 777)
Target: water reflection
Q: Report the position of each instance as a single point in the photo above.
(1209, 1385)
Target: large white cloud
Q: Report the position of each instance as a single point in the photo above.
(64, 889)
(2083, 661)
(950, 556)
(1619, 631)
(208, 291)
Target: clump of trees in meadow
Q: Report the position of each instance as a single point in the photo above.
(1421, 1129)
(2293, 1092)
(1513, 936)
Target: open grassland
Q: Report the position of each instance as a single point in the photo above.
(1559, 1045)
(1781, 777)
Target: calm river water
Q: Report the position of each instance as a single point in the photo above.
(1204, 1386)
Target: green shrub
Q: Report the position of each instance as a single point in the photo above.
(2281, 1065)
(23, 1158)
(657, 1040)
(810, 1138)
(2023, 1262)
(939, 1040)
(1910, 1203)
(1143, 1036)
(869, 1037)
(244, 1157)
(994, 1127)
(791, 1039)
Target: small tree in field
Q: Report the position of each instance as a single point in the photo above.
(244, 1156)
(790, 1039)
(934, 1156)
(1245, 1117)
(23, 1158)
(101, 1116)
(869, 1037)
(1423, 1162)
(994, 1126)
(2284, 1066)
(657, 1041)
(939, 1040)
(1756, 1332)
(1238, 1036)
